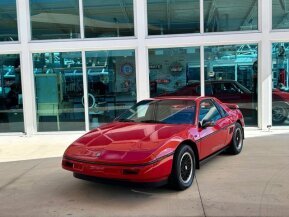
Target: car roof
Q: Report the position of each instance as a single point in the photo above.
(194, 98)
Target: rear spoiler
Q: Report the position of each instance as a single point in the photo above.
(232, 106)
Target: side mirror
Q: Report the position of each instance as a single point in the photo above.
(207, 123)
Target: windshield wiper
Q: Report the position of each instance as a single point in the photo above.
(125, 120)
(152, 121)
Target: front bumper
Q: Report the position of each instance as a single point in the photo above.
(156, 171)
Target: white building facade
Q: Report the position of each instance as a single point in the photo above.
(71, 65)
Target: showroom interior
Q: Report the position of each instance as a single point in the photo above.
(70, 66)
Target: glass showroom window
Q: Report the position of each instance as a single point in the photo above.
(111, 84)
(231, 75)
(280, 84)
(280, 9)
(110, 18)
(11, 107)
(59, 91)
(54, 19)
(173, 17)
(228, 15)
(174, 71)
(8, 24)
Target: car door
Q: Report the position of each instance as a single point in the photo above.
(226, 123)
(213, 137)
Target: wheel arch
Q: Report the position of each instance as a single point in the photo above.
(239, 121)
(193, 145)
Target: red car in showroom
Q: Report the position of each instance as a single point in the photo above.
(230, 91)
(157, 141)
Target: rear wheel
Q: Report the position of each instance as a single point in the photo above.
(183, 170)
(236, 145)
(279, 112)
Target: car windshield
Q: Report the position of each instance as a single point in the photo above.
(161, 111)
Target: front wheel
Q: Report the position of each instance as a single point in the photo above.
(236, 145)
(183, 170)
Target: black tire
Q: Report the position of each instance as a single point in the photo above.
(236, 144)
(279, 112)
(184, 166)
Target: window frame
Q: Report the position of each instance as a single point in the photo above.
(222, 111)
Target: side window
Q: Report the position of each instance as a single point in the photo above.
(226, 88)
(230, 88)
(238, 89)
(209, 111)
(221, 110)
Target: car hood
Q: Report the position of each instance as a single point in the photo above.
(127, 143)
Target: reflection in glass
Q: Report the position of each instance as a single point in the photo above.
(228, 15)
(110, 18)
(11, 106)
(173, 17)
(59, 91)
(280, 18)
(8, 23)
(172, 69)
(280, 84)
(231, 75)
(54, 19)
(111, 84)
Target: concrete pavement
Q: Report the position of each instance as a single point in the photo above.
(16, 148)
(254, 183)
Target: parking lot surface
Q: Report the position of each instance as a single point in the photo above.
(254, 183)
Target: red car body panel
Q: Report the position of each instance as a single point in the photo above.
(280, 96)
(143, 152)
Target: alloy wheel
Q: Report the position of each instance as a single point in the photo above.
(186, 169)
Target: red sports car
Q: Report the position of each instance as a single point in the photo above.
(158, 140)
